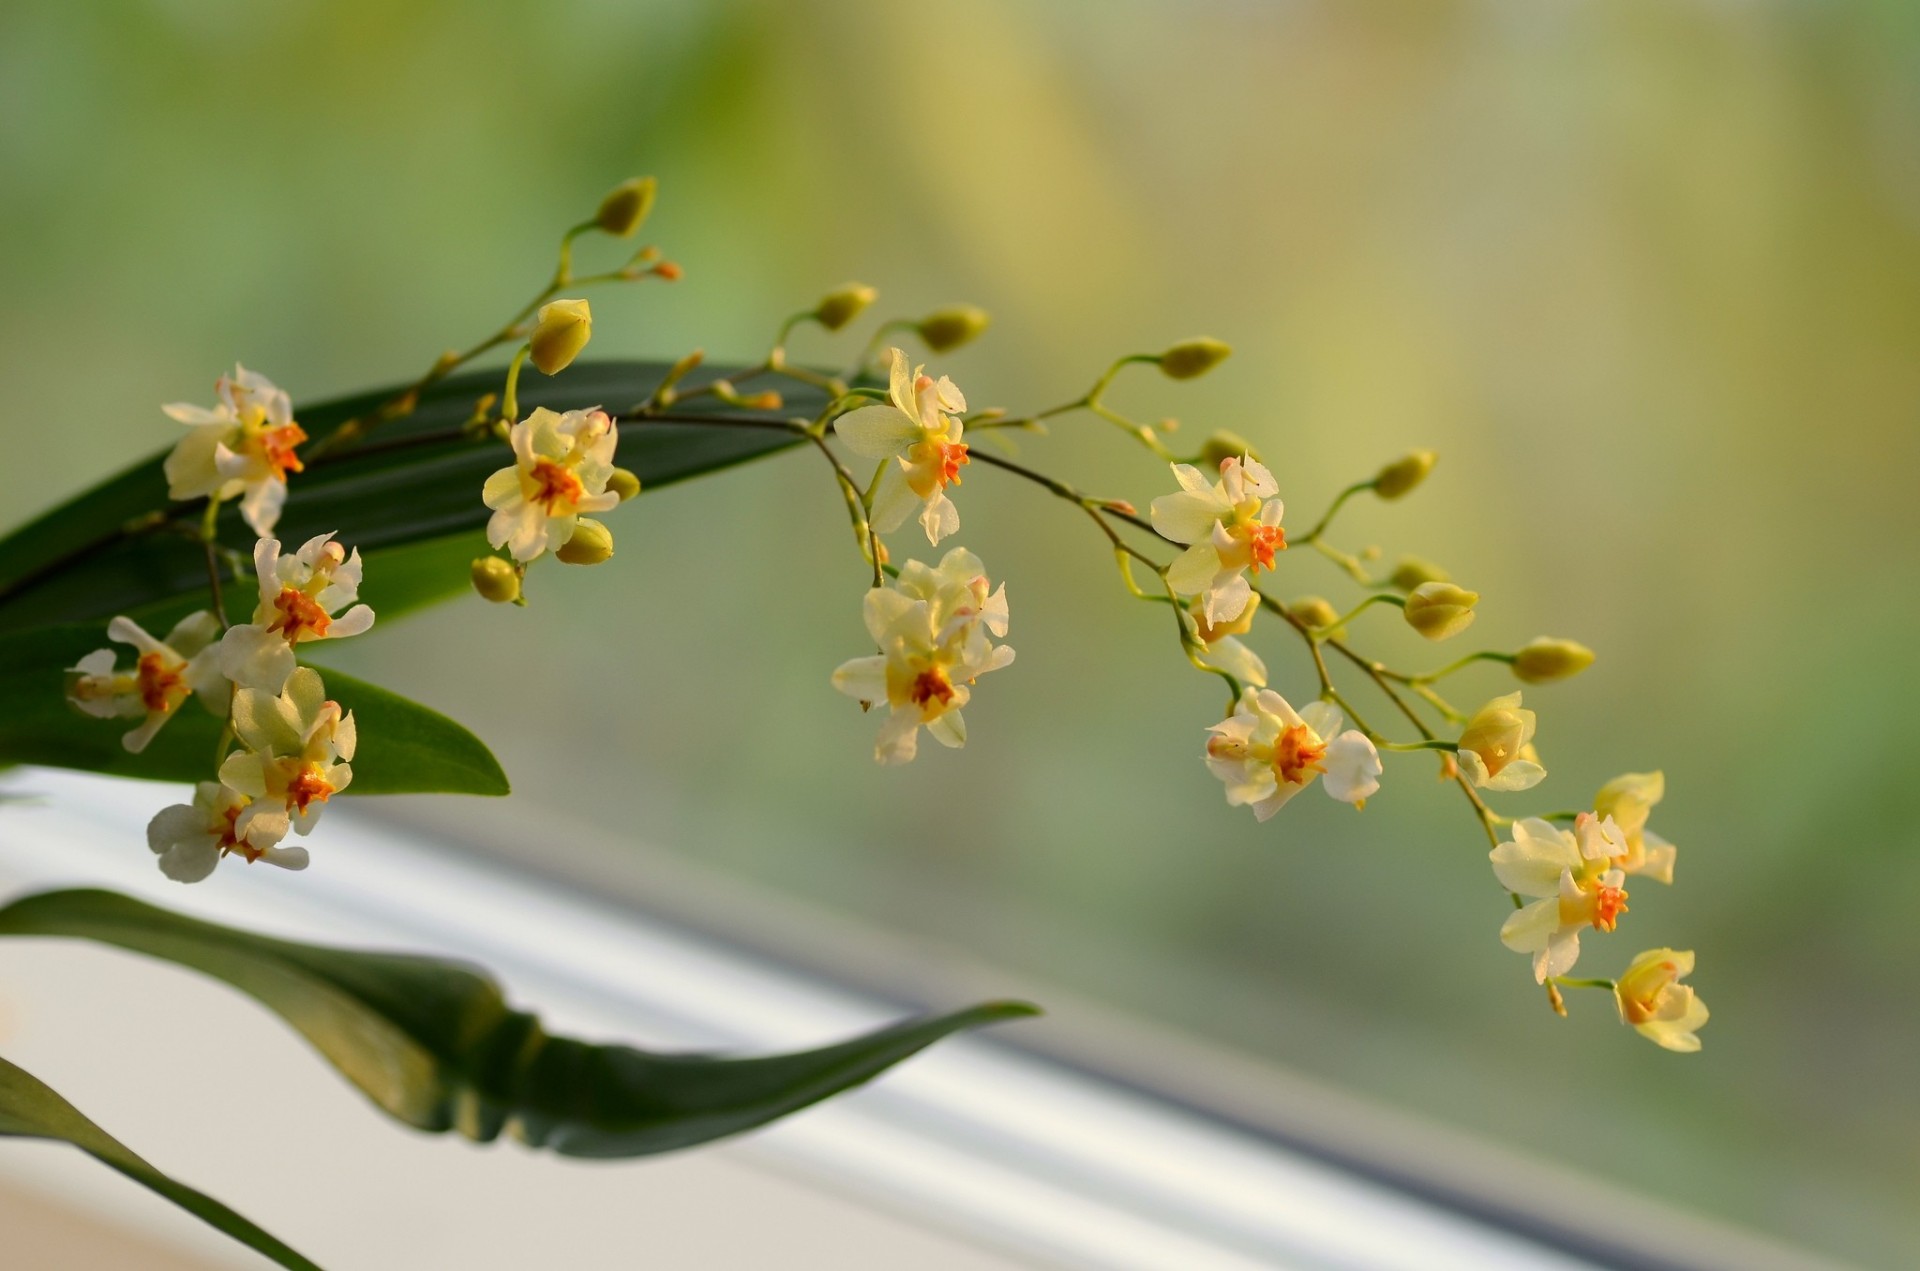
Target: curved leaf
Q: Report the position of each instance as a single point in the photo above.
(414, 480)
(434, 1043)
(31, 1109)
(405, 747)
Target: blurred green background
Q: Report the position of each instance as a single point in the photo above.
(1645, 273)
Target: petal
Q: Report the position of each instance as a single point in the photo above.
(1237, 660)
(1525, 871)
(286, 857)
(1193, 571)
(863, 678)
(877, 432)
(501, 489)
(256, 658)
(1521, 774)
(351, 623)
(244, 771)
(190, 862)
(899, 737)
(127, 631)
(1528, 930)
(893, 500)
(261, 506)
(900, 383)
(1352, 768)
(175, 824)
(136, 739)
(939, 518)
(1185, 517)
(949, 730)
(193, 633)
(1323, 717)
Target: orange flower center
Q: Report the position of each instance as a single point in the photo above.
(1608, 904)
(930, 685)
(161, 688)
(556, 485)
(300, 615)
(1297, 754)
(953, 454)
(308, 787)
(1263, 541)
(230, 840)
(276, 447)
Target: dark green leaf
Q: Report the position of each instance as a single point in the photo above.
(414, 480)
(30, 1109)
(405, 748)
(434, 1043)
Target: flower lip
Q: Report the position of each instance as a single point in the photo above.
(299, 615)
(162, 683)
(1298, 754)
(555, 485)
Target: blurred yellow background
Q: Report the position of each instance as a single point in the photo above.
(1645, 273)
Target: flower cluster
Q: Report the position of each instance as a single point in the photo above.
(1567, 873)
(1212, 546)
(933, 627)
(285, 748)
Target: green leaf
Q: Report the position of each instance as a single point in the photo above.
(405, 747)
(412, 481)
(31, 1109)
(434, 1044)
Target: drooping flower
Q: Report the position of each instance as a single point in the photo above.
(190, 838)
(560, 470)
(917, 440)
(932, 627)
(1224, 648)
(297, 744)
(300, 596)
(244, 446)
(1659, 1007)
(164, 674)
(1569, 889)
(1231, 525)
(1629, 800)
(1496, 747)
(1266, 752)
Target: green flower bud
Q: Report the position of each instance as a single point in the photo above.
(947, 329)
(496, 580)
(591, 543)
(626, 207)
(623, 483)
(1438, 610)
(1315, 611)
(844, 305)
(1224, 445)
(1190, 359)
(1411, 572)
(1402, 475)
(561, 330)
(1546, 659)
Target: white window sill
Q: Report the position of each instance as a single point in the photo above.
(970, 1148)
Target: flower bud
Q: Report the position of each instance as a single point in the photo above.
(1438, 610)
(623, 483)
(1315, 611)
(591, 543)
(559, 333)
(844, 305)
(947, 329)
(1190, 359)
(1224, 445)
(1543, 659)
(496, 580)
(1411, 572)
(1402, 475)
(626, 207)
